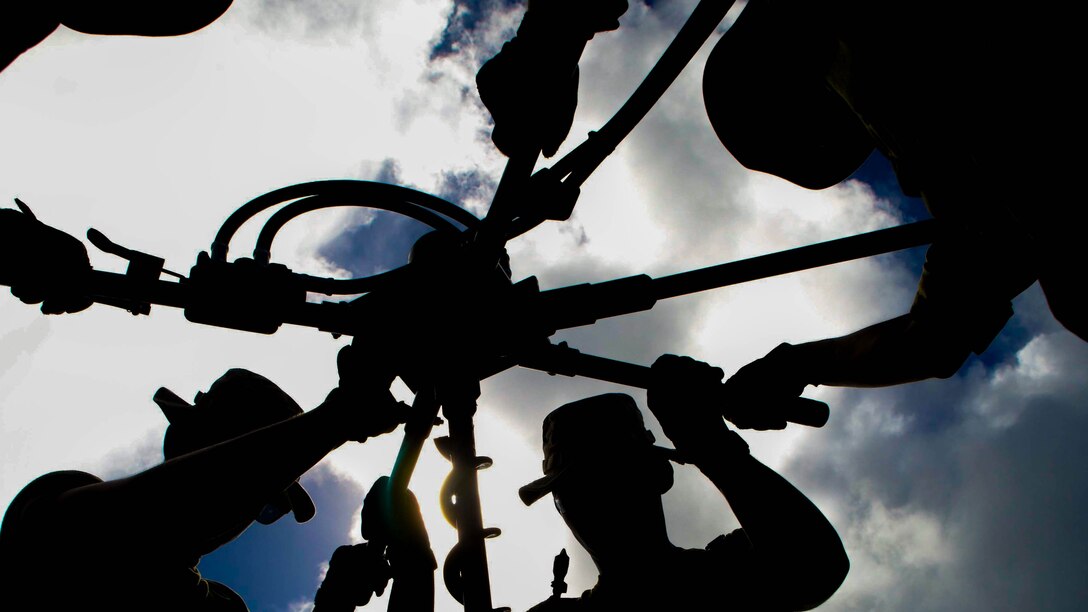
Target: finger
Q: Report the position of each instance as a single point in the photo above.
(805, 411)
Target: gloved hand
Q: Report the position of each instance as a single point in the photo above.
(531, 86)
(363, 398)
(43, 264)
(685, 396)
(355, 574)
(393, 518)
(762, 393)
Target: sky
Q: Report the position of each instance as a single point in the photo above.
(957, 494)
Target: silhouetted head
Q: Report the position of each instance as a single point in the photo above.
(604, 473)
(237, 403)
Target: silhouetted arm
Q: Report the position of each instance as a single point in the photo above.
(893, 352)
(202, 496)
(798, 558)
(963, 301)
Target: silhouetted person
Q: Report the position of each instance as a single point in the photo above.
(975, 106)
(971, 103)
(26, 23)
(71, 540)
(607, 479)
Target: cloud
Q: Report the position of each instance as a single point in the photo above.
(477, 25)
(961, 494)
(301, 606)
(316, 18)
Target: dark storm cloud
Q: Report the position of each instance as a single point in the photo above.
(987, 467)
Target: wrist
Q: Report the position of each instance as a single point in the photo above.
(796, 363)
(721, 449)
(333, 418)
(711, 443)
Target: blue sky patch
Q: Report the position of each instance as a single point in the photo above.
(272, 564)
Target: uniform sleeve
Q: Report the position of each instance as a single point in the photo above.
(966, 290)
(29, 532)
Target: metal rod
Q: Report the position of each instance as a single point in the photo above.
(567, 361)
(416, 431)
(794, 260)
(582, 161)
(459, 410)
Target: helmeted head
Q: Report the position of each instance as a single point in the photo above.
(603, 471)
(769, 102)
(237, 403)
(592, 436)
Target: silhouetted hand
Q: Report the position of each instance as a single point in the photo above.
(393, 518)
(761, 393)
(356, 573)
(684, 395)
(531, 86)
(367, 407)
(43, 264)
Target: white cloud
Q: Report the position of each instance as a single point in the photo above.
(301, 606)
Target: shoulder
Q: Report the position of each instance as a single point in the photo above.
(967, 286)
(37, 496)
(28, 517)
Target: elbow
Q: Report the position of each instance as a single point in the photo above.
(823, 578)
(830, 576)
(948, 360)
(814, 577)
(936, 350)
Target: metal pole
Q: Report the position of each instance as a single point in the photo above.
(794, 260)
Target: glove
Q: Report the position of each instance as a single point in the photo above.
(43, 264)
(531, 86)
(684, 395)
(363, 396)
(355, 574)
(393, 518)
(761, 393)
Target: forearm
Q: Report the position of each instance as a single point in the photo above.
(893, 352)
(201, 493)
